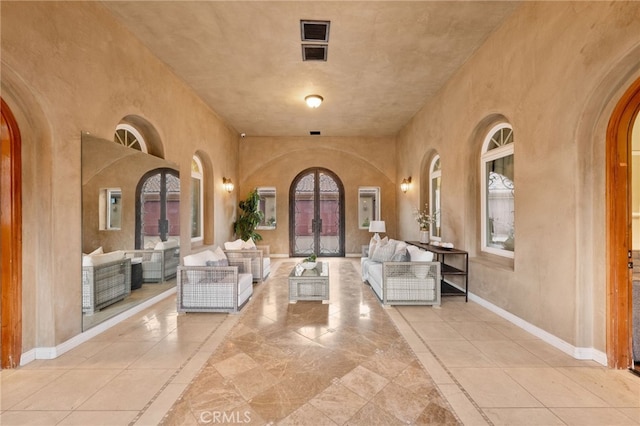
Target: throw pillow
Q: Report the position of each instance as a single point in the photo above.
(418, 255)
(384, 252)
(400, 256)
(249, 244)
(198, 259)
(219, 257)
(401, 246)
(372, 246)
(99, 250)
(234, 245)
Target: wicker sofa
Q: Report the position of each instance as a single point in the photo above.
(207, 284)
(106, 279)
(402, 274)
(259, 256)
(159, 263)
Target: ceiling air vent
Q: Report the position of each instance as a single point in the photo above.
(314, 133)
(314, 52)
(315, 31)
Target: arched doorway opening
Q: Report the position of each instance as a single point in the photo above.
(157, 207)
(619, 226)
(316, 214)
(10, 239)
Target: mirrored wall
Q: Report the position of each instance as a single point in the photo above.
(368, 205)
(130, 207)
(267, 206)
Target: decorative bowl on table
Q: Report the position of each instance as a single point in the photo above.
(309, 265)
(447, 246)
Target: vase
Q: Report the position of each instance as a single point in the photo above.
(424, 237)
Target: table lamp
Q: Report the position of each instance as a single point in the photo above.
(377, 226)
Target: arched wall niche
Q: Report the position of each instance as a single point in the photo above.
(38, 320)
(209, 203)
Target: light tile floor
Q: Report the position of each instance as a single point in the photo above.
(490, 371)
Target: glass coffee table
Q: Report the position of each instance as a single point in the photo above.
(309, 284)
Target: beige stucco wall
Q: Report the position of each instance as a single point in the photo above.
(276, 161)
(69, 67)
(553, 71)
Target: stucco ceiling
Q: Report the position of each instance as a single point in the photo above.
(244, 59)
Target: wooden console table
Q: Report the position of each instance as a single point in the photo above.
(447, 270)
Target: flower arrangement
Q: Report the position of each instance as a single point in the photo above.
(423, 218)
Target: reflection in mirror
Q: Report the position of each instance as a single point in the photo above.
(110, 209)
(119, 217)
(368, 205)
(267, 207)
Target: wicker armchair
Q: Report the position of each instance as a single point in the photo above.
(214, 288)
(260, 260)
(104, 284)
(158, 264)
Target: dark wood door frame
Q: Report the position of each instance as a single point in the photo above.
(10, 240)
(618, 225)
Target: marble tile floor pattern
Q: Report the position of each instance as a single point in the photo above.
(160, 367)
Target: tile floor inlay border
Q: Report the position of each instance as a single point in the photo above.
(449, 373)
(313, 363)
(173, 376)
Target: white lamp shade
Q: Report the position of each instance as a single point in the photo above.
(377, 226)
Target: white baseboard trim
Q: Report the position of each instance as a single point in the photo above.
(56, 351)
(573, 351)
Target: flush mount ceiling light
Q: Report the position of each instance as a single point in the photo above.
(313, 101)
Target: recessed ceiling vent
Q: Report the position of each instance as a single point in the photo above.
(314, 52)
(315, 31)
(314, 133)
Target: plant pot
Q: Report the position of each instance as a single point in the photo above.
(424, 237)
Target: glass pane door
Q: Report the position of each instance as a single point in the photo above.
(304, 241)
(158, 207)
(330, 213)
(317, 214)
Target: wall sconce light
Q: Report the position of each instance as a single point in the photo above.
(228, 185)
(313, 101)
(406, 183)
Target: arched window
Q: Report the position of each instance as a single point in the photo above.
(497, 191)
(197, 194)
(435, 181)
(129, 136)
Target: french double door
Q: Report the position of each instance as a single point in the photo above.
(157, 207)
(316, 214)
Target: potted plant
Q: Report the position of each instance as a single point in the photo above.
(249, 217)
